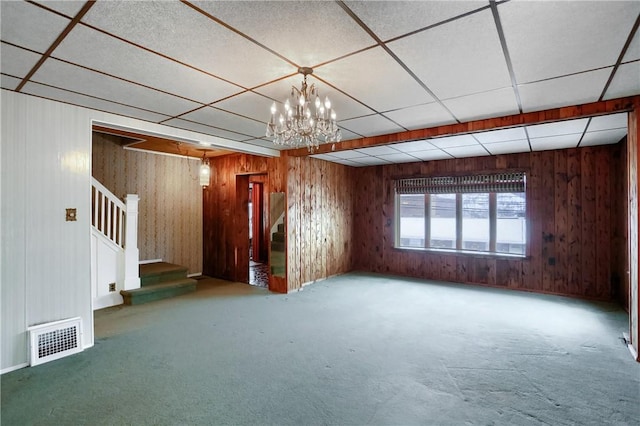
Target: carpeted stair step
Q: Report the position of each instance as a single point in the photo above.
(153, 292)
(159, 272)
(281, 227)
(277, 246)
(278, 236)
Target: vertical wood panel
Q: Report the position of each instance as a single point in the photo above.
(560, 222)
(574, 221)
(603, 198)
(588, 213)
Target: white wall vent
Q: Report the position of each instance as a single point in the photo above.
(55, 340)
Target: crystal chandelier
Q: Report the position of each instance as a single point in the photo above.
(300, 123)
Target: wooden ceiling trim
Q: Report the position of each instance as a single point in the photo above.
(557, 114)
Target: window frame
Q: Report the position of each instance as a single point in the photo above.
(493, 228)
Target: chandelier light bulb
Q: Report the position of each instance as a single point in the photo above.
(327, 103)
(317, 102)
(274, 109)
(333, 115)
(302, 101)
(287, 106)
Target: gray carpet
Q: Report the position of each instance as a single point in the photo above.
(352, 350)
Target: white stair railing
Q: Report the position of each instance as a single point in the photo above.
(118, 222)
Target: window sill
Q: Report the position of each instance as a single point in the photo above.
(468, 253)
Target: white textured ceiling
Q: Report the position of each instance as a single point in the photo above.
(388, 66)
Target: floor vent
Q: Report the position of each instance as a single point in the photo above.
(55, 340)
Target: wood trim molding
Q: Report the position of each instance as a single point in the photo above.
(557, 114)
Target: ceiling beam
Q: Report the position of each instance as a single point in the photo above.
(525, 119)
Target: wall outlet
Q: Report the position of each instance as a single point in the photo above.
(112, 287)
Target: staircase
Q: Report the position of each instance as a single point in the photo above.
(159, 280)
(277, 239)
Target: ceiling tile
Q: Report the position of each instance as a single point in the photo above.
(453, 141)
(17, 62)
(344, 106)
(633, 51)
(544, 42)
(399, 158)
(190, 37)
(42, 30)
(347, 154)
(626, 81)
(509, 147)
(69, 8)
(376, 79)
(348, 163)
(371, 125)
(327, 157)
(248, 104)
(435, 154)
(494, 103)
(571, 90)
(603, 137)
(265, 144)
(208, 130)
(421, 116)
(89, 102)
(69, 77)
(8, 82)
(390, 19)
(467, 151)
(503, 135)
(279, 26)
(377, 150)
(458, 58)
(226, 120)
(348, 135)
(566, 127)
(555, 142)
(371, 161)
(126, 61)
(606, 122)
(413, 146)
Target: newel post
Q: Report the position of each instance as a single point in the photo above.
(131, 254)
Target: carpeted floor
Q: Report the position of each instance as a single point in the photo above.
(352, 350)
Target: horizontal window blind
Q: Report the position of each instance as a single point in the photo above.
(498, 182)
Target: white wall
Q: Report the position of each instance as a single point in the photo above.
(45, 259)
(45, 155)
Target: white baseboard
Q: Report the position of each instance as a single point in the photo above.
(195, 274)
(14, 368)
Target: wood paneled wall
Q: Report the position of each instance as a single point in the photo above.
(170, 209)
(225, 212)
(319, 217)
(569, 203)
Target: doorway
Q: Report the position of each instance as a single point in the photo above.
(258, 245)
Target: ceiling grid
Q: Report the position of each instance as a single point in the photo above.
(388, 66)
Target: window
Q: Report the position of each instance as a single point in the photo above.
(480, 213)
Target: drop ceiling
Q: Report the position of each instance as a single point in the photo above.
(388, 66)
